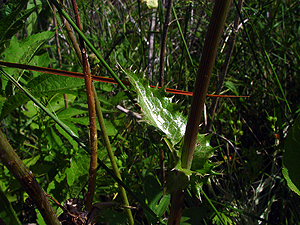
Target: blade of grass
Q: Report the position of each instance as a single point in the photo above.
(256, 59)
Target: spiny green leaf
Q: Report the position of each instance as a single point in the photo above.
(159, 111)
(291, 157)
(203, 151)
(177, 179)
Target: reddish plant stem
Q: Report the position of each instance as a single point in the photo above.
(99, 79)
(92, 117)
(214, 32)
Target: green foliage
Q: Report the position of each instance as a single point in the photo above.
(10, 24)
(157, 201)
(203, 152)
(7, 213)
(248, 178)
(291, 157)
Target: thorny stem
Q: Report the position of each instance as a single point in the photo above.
(92, 117)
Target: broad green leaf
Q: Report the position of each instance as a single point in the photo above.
(79, 166)
(57, 102)
(43, 85)
(72, 111)
(25, 49)
(291, 157)
(159, 111)
(110, 129)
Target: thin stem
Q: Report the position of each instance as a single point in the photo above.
(111, 156)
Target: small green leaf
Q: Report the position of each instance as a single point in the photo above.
(231, 86)
(291, 157)
(31, 161)
(289, 181)
(177, 179)
(79, 166)
(203, 152)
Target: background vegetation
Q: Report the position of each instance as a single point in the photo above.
(248, 133)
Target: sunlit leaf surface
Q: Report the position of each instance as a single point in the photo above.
(159, 110)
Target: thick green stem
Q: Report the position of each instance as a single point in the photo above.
(112, 157)
(25, 177)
